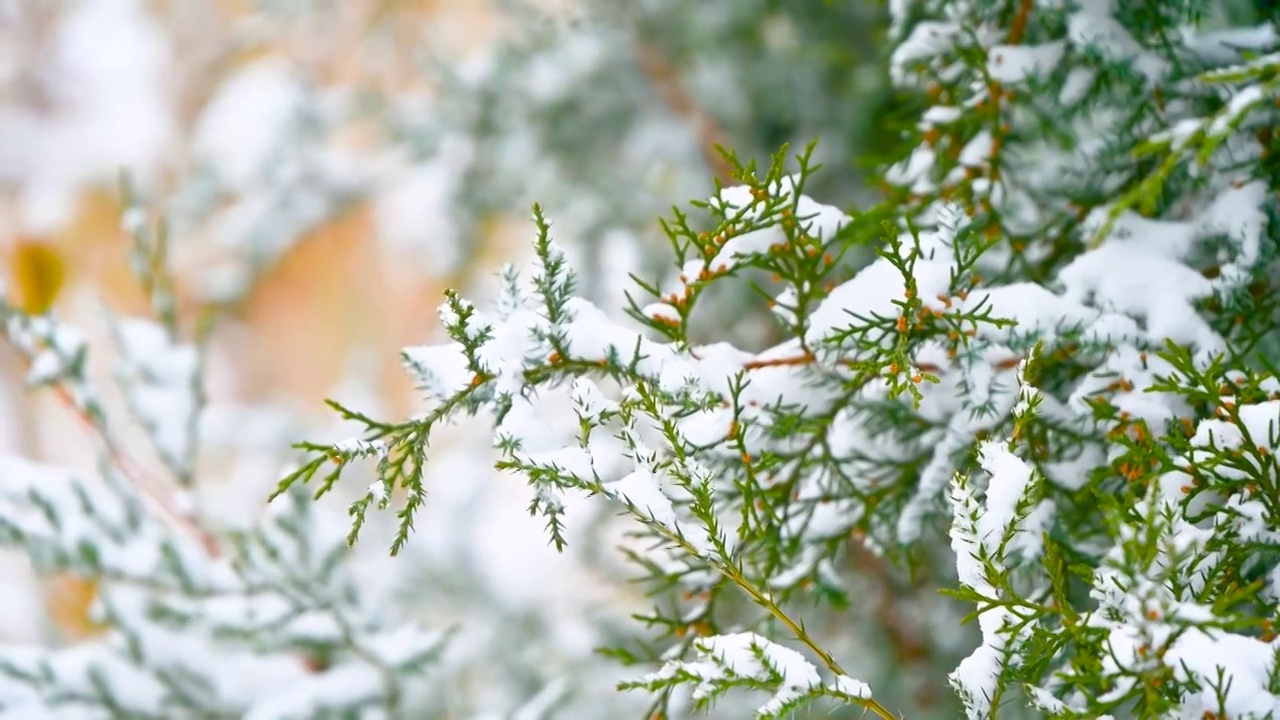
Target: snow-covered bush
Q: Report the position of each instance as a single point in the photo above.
(205, 605)
(1064, 351)
(1035, 388)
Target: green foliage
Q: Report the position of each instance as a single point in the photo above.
(1075, 256)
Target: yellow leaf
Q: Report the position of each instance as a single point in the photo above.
(70, 602)
(38, 273)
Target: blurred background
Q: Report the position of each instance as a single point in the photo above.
(324, 170)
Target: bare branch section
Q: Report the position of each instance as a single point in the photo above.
(665, 80)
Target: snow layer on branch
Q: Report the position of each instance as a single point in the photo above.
(873, 291)
(983, 536)
(641, 489)
(441, 370)
(1136, 277)
(1157, 610)
(1014, 63)
(815, 219)
(727, 659)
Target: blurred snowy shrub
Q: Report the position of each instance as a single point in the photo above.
(204, 605)
(258, 124)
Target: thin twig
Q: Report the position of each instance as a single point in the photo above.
(1019, 27)
(805, 359)
(150, 486)
(764, 600)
